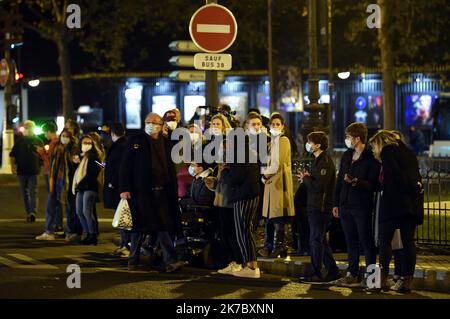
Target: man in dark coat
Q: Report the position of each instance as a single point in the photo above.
(148, 181)
(111, 195)
(354, 200)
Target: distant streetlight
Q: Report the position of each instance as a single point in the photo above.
(343, 75)
(34, 83)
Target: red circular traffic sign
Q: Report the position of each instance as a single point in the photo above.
(213, 28)
(4, 72)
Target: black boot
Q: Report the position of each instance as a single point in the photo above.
(91, 239)
(279, 248)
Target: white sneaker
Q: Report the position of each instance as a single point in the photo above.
(45, 236)
(247, 273)
(230, 269)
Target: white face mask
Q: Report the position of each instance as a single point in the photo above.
(114, 138)
(150, 128)
(172, 125)
(348, 143)
(65, 140)
(275, 132)
(308, 148)
(215, 131)
(86, 148)
(195, 137)
(191, 171)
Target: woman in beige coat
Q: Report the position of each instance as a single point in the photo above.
(278, 205)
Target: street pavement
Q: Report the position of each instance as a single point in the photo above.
(36, 269)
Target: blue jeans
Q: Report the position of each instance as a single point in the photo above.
(164, 240)
(52, 211)
(357, 227)
(125, 237)
(73, 222)
(29, 190)
(85, 203)
(319, 248)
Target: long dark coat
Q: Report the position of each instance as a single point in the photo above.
(401, 194)
(136, 178)
(111, 195)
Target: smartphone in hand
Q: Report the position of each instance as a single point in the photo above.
(102, 165)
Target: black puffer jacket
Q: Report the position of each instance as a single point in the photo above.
(367, 171)
(243, 179)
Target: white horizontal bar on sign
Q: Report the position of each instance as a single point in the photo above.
(213, 28)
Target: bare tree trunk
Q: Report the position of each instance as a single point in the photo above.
(66, 74)
(387, 64)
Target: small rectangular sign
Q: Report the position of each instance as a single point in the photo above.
(213, 61)
(188, 76)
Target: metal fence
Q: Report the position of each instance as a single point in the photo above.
(436, 226)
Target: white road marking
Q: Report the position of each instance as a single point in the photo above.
(36, 264)
(213, 28)
(78, 259)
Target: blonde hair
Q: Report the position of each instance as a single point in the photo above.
(381, 139)
(226, 125)
(28, 124)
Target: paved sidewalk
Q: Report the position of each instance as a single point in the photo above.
(432, 271)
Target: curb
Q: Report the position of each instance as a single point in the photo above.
(424, 279)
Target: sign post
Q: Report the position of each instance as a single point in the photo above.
(213, 29)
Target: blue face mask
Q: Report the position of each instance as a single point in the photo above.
(150, 128)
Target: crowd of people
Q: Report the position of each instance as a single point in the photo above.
(377, 180)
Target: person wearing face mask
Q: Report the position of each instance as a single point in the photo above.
(111, 195)
(199, 192)
(320, 182)
(353, 200)
(170, 123)
(147, 179)
(86, 187)
(400, 208)
(105, 136)
(195, 134)
(26, 159)
(258, 138)
(61, 172)
(278, 206)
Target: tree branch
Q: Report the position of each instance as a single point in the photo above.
(42, 33)
(56, 10)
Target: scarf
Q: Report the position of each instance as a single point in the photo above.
(80, 173)
(59, 172)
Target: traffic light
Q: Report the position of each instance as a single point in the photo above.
(18, 77)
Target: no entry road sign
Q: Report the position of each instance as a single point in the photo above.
(213, 28)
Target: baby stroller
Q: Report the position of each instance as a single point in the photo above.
(199, 244)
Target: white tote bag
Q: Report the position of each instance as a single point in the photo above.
(122, 217)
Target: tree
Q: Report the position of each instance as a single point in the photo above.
(48, 19)
(413, 33)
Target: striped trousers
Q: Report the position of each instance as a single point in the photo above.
(244, 214)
